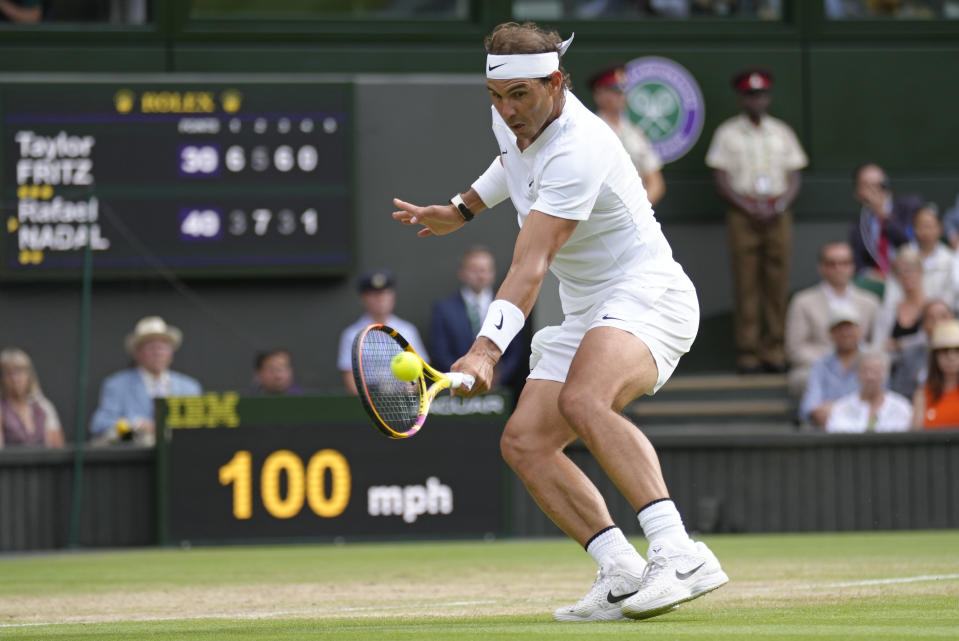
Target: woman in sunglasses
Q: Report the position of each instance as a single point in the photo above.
(936, 404)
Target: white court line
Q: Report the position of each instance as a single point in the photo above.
(451, 604)
(257, 615)
(856, 584)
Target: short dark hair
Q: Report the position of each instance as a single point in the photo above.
(528, 37)
(831, 243)
(261, 356)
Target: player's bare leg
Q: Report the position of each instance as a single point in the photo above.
(532, 444)
(678, 569)
(591, 401)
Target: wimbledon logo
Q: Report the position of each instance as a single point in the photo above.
(663, 100)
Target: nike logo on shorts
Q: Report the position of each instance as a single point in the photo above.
(682, 576)
(621, 597)
(499, 325)
(491, 67)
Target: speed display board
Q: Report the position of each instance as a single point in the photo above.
(250, 469)
(199, 178)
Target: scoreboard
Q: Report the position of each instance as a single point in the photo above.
(198, 178)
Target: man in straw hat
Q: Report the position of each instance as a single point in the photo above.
(631, 312)
(126, 397)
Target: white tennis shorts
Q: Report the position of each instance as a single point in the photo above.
(666, 320)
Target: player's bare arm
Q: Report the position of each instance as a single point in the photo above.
(538, 241)
(437, 219)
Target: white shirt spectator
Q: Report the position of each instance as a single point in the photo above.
(939, 277)
(850, 414)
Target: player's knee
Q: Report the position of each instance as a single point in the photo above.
(580, 409)
(514, 449)
(521, 449)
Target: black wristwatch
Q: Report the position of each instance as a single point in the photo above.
(457, 201)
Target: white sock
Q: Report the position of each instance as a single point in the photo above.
(609, 544)
(663, 527)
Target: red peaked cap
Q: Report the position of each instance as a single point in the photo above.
(613, 77)
(750, 80)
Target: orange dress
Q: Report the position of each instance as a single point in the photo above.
(944, 413)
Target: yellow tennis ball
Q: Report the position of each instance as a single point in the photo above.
(406, 366)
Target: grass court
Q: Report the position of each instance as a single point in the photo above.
(852, 586)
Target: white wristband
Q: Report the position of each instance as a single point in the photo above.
(503, 322)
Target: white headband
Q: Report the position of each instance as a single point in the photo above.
(525, 65)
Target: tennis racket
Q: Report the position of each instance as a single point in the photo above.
(398, 408)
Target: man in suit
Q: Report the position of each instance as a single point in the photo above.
(126, 397)
(885, 222)
(807, 317)
(458, 317)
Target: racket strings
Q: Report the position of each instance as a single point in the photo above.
(396, 402)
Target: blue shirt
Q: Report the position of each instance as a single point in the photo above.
(406, 329)
(827, 381)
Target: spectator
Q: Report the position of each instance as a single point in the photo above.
(885, 224)
(871, 408)
(26, 416)
(273, 374)
(937, 259)
(834, 375)
(129, 11)
(756, 161)
(936, 404)
(458, 317)
(807, 317)
(909, 364)
(378, 299)
(899, 318)
(950, 221)
(607, 88)
(21, 11)
(126, 397)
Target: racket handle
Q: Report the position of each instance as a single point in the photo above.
(459, 379)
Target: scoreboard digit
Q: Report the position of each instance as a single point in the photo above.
(204, 179)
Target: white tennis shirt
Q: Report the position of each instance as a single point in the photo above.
(578, 169)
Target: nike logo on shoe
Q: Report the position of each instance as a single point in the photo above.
(621, 597)
(499, 325)
(682, 576)
(491, 67)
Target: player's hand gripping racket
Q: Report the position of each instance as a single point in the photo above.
(397, 408)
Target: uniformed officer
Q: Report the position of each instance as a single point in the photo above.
(757, 161)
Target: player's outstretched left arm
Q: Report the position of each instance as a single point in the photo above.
(437, 219)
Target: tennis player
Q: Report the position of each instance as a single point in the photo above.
(630, 314)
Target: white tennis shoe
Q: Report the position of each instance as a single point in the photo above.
(671, 579)
(614, 584)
